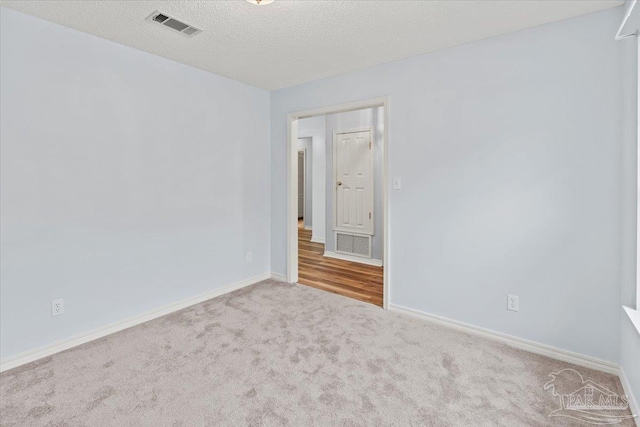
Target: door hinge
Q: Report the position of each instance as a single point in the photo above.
(369, 215)
(369, 145)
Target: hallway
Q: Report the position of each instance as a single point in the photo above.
(351, 279)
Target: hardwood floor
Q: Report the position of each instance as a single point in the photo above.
(351, 279)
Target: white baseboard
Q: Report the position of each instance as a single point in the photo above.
(519, 343)
(345, 257)
(633, 403)
(279, 277)
(317, 240)
(85, 337)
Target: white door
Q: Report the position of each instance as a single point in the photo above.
(300, 184)
(352, 163)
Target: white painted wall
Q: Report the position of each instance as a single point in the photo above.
(630, 338)
(314, 127)
(305, 144)
(128, 182)
(509, 152)
(367, 118)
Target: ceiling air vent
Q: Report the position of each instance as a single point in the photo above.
(167, 21)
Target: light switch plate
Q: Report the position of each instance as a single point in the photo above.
(397, 183)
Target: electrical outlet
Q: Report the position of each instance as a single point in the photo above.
(57, 307)
(397, 183)
(248, 256)
(512, 303)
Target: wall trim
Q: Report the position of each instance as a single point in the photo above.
(318, 240)
(85, 337)
(346, 257)
(519, 343)
(279, 277)
(634, 315)
(633, 403)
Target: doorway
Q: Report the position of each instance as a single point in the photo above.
(301, 186)
(352, 220)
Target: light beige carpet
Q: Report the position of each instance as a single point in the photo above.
(277, 354)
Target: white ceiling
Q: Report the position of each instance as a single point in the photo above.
(294, 41)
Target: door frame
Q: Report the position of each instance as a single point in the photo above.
(292, 184)
(304, 189)
(335, 179)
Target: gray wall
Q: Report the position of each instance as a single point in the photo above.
(509, 152)
(306, 145)
(370, 117)
(128, 182)
(630, 338)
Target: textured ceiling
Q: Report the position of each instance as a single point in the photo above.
(294, 41)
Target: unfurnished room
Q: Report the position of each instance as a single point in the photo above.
(319, 213)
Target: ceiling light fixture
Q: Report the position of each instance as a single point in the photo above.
(260, 2)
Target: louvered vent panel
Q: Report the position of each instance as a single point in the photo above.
(361, 245)
(344, 243)
(353, 244)
(174, 24)
(190, 31)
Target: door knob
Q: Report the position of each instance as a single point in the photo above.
(339, 182)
